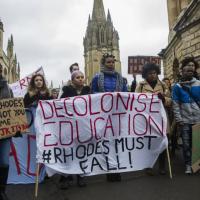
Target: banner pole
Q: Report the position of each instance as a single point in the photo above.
(169, 163)
(37, 180)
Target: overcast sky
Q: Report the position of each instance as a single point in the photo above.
(50, 33)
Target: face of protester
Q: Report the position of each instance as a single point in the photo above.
(188, 71)
(75, 68)
(78, 80)
(152, 76)
(54, 95)
(38, 82)
(110, 63)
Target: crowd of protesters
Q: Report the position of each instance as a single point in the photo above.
(180, 99)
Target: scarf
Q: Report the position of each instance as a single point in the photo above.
(119, 79)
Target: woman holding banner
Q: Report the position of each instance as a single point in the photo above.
(76, 88)
(37, 90)
(152, 84)
(108, 80)
(5, 93)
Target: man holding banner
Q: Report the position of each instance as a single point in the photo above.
(5, 92)
(186, 107)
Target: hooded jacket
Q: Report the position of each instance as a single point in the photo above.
(185, 104)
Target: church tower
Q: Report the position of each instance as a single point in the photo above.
(100, 38)
(11, 68)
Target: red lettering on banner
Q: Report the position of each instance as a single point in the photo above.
(119, 97)
(140, 95)
(33, 137)
(119, 120)
(79, 134)
(57, 108)
(144, 123)
(43, 110)
(95, 130)
(152, 103)
(47, 135)
(82, 107)
(65, 106)
(67, 129)
(109, 126)
(14, 154)
(90, 106)
(103, 103)
(132, 101)
(22, 83)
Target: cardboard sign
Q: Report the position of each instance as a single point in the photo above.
(101, 133)
(196, 147)
(12, 117)
(136, 63)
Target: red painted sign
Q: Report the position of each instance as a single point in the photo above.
(136, 63)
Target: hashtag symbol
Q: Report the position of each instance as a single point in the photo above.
(46, 156)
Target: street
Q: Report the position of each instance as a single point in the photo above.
(134, 185)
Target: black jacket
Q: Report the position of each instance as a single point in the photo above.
(70, 91)
(33, 100)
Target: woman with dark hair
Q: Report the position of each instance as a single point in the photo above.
(108, 80)
(76, 88)
(37, 90)
(152, 84)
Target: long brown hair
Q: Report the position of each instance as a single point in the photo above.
(33, 90)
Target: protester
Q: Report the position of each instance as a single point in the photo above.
(37, 90)
(134, 83)
(152, 84)
(108, 80)
(174, 133)
(72, 68)
(76, 88)
(167, 82)
(194, 65)
(186, 107)
(54, 94)
(5, 92)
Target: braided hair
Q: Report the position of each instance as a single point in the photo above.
(105, 56)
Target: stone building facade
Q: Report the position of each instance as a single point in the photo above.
(184, 35)
(100, 38)
(8, 59)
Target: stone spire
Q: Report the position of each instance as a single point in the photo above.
(98, 13)
(109, 16)
(100, 38)
(1, 36)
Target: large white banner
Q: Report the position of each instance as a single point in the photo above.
(20, 87)
(101, 133)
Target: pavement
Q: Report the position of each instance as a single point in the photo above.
(134, 186)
